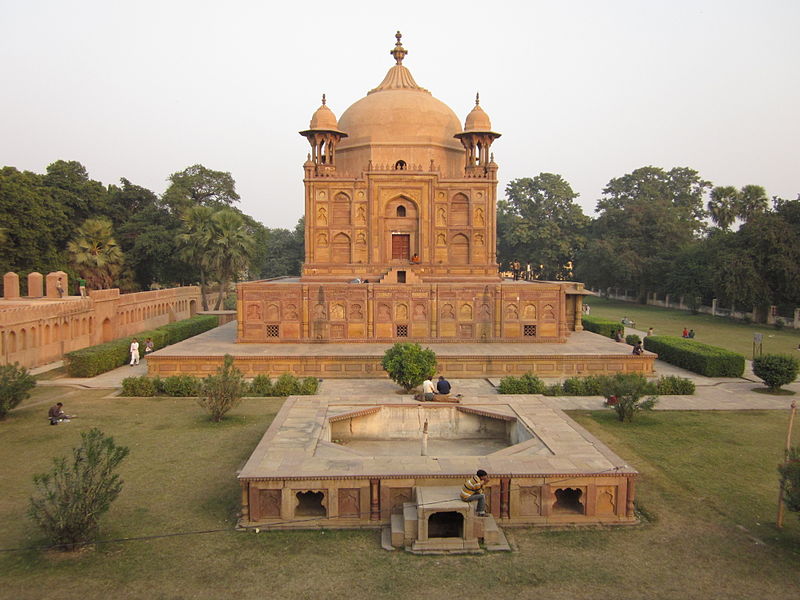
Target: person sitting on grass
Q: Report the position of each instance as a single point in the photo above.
(473, 491)
(57, 415)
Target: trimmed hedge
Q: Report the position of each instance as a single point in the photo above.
(592, 385)
(91, 361)
(696, 356)
(527, 384)
(190, 386)
(601, 326)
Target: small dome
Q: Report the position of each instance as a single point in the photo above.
(324, 118)
(477, 119)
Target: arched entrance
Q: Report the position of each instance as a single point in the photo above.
(401, 230)
(108, 333)
(192, 308)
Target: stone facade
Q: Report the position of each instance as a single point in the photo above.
(35, 331)
(398, 195)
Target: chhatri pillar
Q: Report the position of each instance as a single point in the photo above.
(35, 285)
(53, 281)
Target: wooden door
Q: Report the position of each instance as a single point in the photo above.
(401, 246)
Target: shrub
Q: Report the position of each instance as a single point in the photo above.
(628, 389)
(554, 389)
(696, 356)
(260, 386)
(180, 385)
(527, 384)
(140, 386)
(309, 386)
(16, 384)
(286, 385)
(790, 479)
(409, 364)
(91, 361)
(592, 385)
(674, 385)
(601, 326)
(776, 369)
(632, 339)
(223, 391)
(780, 323)
(72, 497)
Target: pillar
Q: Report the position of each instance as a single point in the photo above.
(10, 286)
(375, 500)
(51, 284)
(35, 285)
(713, 307)
(796, 319)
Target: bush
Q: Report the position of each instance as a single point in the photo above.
(696, 356)
(260, 386)
(601, 326)
(554, 389)
(309, 386)
(780, 323)
(286, 385)
(776, 369)
(72, 497)
(674, 385)
(223, 391)
(143, 386)
(16, 384)
(527, 384)
(592, 385)
(91, 361)
(632, 339)
(409, 364)
(180, 386)
(790, 479)
(627, 391)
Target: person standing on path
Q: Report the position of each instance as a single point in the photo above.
(134, 352)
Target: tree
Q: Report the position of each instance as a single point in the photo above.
(776, 369)
(195, 243)
(540, 222)
(223, 391)
(95, 253)
(200, 186)
(409, 364)
(72, 497)
(751, 201)
(280, 252)
(723, 207)
(16, 384)
(231, 248)
(790, 479)
(628, 389)
(81, 198)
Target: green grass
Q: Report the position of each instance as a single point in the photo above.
(716, 331)
(708, 503)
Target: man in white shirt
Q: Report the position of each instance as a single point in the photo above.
(428, 390)
(134, 352)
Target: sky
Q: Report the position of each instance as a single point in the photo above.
(590, 90)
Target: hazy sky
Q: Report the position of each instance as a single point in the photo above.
(587, 89)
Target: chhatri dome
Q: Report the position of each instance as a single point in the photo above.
(399, 120)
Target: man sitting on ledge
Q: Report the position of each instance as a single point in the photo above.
(473, 491)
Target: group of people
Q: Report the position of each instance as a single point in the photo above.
(688, 333)
(518, 272)
(134, 350)
(429, 390)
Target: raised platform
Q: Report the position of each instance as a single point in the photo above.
(305, 473)
(584, 354)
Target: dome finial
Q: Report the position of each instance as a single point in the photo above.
(399, 52)
(323, 99)
(477, 98)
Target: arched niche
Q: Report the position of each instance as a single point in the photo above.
(340, 249)
(459, 250)
(341, 209)
(459, 211)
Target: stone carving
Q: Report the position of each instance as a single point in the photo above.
(512, 313)
(529, 312)
(319, 311)
(441, 217)
(606, 500)
(349, 502)
(441, 239)
(254, 312)
(419, 312)
(361, 217)
(337, 312)
(322, 216)
(402, 312)
(291, 312)
(269, 503)
(322, 239)
(479, 217)
(361, 238)
(548, 312)
(530, 501)
(448, 312)
(397, 496)
(384, 314)
(466, 311)
(273, 313)
(485, 312)
(356, 312)
(479, 239)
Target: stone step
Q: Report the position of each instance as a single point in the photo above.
(491, 532)
(410, 522)
(398, 531)
(386, 538)
(501, 545)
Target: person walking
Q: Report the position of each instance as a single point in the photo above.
(134, 352)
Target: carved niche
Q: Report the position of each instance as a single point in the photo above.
(466, 312)
(448, 312)
(356, 312)
(349, 502)
(606, 500)
(512, 313)
(530, 501)
(253, 311)
(529, 312)
(269, 503)
(548, 312)
(384, 313)
(419, 311)
(322, 216)
(401, 312)
(337, 311)
(273, 313)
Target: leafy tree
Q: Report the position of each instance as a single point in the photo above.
(200, 186)
(539, 221)
(281, 252)
(223, 391)
(776, 369)
(95, 253)
(81, 198)
(628, 390)
(723, 207)
(72, 497)
(409, 364)
(16, 384)
(751, 201)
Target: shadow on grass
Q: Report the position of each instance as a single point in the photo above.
(771, 392)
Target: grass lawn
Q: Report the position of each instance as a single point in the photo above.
(716, 331)
(708, 488)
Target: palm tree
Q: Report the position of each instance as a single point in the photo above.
(195, 242)
(95, 253)
(723, 206)
(752, 201)
(232, 247)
